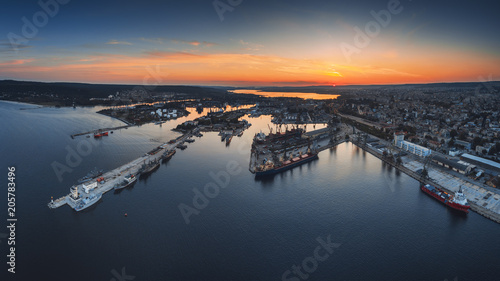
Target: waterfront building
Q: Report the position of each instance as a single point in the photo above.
(410, 147)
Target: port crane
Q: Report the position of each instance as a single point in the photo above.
(270, 129)
(425, 170)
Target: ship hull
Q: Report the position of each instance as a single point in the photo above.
(100, 135)
(127, 184)
(150, 170)
(90, 177)
(167, 157)
(285, 168)
(89, 203)
(445, 201)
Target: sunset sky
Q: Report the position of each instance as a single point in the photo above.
(254, 43)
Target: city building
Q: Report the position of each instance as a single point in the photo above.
(410, 147)
(484, 163)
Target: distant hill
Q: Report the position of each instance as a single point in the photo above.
(64, 94)
(78, 90)
(327, 89)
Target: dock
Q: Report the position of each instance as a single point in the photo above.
(101, 130)
(116, 176)
(476, 196)
(297, 143)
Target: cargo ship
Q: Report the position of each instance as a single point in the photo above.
(457, 201)
(269, 168)
(148, 168)
(88, 201)
(167, 155)
(128, 181)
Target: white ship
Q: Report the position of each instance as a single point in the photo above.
(88, 201)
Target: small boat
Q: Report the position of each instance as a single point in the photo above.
(190, 140)
(128, 181)
(181, 146)
(100, 134)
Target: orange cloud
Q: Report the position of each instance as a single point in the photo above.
(116, 42)
(15, 62)
(167, 67)
(195, 43)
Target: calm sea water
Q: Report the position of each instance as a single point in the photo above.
(252, 230)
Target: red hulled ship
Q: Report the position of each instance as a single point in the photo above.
(457, 201)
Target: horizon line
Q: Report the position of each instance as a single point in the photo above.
(333, 85)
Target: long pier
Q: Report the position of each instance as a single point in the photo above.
(99, 130)
(116, 176)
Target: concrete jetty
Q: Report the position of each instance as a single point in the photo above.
(101, 130)
(115, 176)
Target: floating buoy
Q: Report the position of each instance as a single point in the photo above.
(125, 214)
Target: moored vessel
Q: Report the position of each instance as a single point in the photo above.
(100, 134)
(456, 201)
(168, 154)
(88, 201)
(91, 175)
(148, 168)
(269, 168)
(128, 181)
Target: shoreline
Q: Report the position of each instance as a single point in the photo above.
(489, 214)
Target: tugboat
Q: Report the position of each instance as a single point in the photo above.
(457, 201)
(128, 181)
(100, 134)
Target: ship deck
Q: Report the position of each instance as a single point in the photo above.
(262, 151)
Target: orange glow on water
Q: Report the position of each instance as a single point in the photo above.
(313, 96)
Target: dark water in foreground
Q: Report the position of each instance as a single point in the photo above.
(252, 230)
